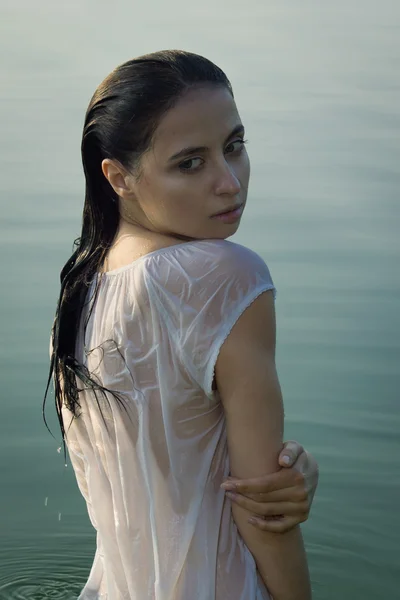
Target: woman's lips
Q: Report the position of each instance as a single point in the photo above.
(231, 216)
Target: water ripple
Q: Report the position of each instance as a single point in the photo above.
(26, 574)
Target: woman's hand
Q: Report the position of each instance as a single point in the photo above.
(279, 501)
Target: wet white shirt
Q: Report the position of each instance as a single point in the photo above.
(150, 468)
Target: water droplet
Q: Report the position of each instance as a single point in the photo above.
(59, 516)
(45, 500)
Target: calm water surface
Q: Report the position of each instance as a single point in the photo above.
(317, 85)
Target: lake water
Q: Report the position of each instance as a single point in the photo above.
(317, 84)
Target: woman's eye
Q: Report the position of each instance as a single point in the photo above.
(191, 164)
(236, 146)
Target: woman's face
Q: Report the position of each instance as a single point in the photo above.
(196, 167)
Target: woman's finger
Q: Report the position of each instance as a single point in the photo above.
(296, 493)
(308, 466)
(290, 453)
(266, 483)
(270, 509)
(279, 525)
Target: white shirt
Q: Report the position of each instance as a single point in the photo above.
(150, 468)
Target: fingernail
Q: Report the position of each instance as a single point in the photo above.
(228, 486)
(287, 459)
(252, 520)
(231, 495)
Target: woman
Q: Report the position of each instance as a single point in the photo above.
(162, 352)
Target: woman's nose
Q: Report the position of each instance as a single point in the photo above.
(227, 181)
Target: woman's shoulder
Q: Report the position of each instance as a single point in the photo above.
(224, 259)
(203, 266)
(210, 253)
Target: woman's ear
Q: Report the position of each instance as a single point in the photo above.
(117, 177)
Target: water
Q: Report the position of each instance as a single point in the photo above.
(318, 89)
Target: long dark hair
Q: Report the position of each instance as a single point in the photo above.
(120, 123)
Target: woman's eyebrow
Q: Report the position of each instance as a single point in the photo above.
(238, 130)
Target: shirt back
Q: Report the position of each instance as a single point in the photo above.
(150, 463)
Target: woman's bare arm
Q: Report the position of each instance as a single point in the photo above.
(251, 395)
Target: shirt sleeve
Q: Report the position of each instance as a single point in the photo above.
(223, 285)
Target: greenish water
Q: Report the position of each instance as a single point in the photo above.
(317, 85)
